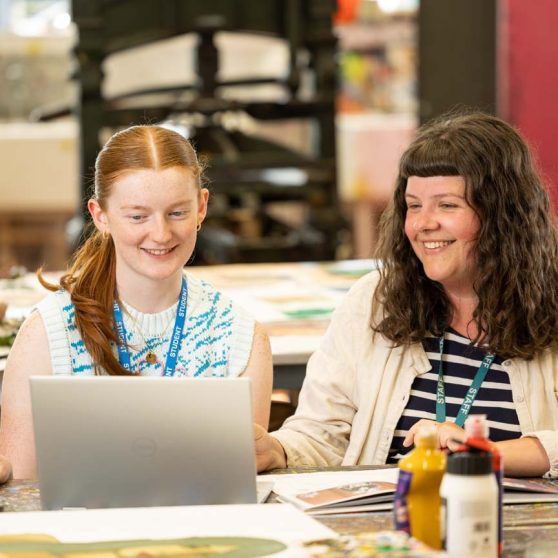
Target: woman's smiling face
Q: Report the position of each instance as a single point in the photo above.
(152, 217)
(442, 228)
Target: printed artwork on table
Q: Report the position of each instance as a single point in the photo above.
(46, 546)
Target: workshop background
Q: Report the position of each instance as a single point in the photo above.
(300, 108)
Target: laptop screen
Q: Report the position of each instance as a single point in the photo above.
(108, 441)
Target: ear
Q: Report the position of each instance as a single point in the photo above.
(202, 204)
(98, 215)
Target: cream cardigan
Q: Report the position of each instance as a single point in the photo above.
(357, 386)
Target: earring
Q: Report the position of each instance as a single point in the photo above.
(198, 226)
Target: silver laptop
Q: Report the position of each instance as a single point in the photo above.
(125, 441)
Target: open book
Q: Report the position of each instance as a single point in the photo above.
(529, 491)
(353, 494)
(324, 493)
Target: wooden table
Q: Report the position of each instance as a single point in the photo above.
(293, 301)
(524, 525)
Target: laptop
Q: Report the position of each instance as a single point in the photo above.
(108, 441)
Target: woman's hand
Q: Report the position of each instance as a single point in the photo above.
(5, 470)
(447, 432)
(269, 452)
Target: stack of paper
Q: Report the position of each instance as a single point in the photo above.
(254, 529)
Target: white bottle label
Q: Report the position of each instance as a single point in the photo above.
(469, 528)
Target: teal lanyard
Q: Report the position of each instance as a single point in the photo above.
(471, 392)
(176, 338)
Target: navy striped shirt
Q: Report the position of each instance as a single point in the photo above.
(460, 364)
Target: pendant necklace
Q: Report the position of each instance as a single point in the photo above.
(151, 357)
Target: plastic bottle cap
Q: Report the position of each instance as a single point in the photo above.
(469, 463)
(426, 433)
(476, 426)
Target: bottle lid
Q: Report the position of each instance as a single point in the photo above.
(469, 463)
(476, 426)
(426, 435)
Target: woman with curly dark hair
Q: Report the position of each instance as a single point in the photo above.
(462, 316)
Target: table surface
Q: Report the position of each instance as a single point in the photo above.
(524, 525)
(293, 301)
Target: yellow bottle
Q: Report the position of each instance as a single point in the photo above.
(417, 500)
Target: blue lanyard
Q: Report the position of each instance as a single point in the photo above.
(471, 392)
(176, 338)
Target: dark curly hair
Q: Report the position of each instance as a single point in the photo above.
(516, 251)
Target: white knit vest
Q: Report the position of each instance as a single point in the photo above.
(216, 340)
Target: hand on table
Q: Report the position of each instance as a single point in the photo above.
(269, 452)
(447, 432)
(5, 470)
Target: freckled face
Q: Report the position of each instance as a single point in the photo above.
(152, 217)
(442, 229)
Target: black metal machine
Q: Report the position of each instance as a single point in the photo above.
(246, 173)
